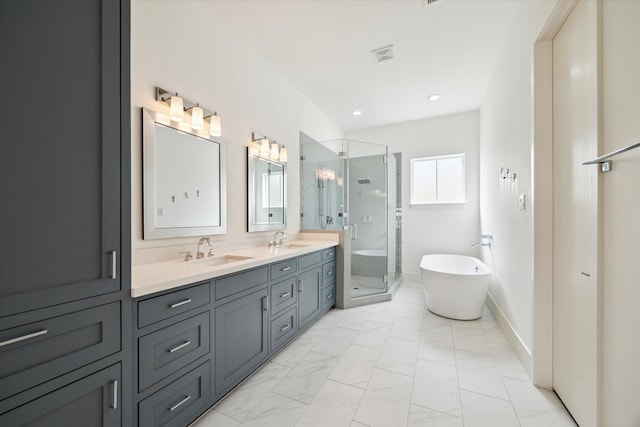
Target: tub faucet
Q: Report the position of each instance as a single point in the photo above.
(275, 241)
(481, 244)
(200, 253)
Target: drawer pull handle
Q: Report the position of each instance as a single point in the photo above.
(285, 327)
(114, 264)
(178, 304)
(114, 402)
(265, 303)
(330, 254)
(24, 337)
(329, 296)
(285, 269)
(183, 345)
(286, 294)
(179, 404)
(300, 285)
(330, 272)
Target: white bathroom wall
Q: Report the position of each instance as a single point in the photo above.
(181, 46)
(433, 228)
(505, 141)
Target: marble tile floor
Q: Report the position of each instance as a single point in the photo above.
(392, 364)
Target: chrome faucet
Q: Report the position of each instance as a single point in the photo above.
(200, 253)
(482, 242)
(275, 241)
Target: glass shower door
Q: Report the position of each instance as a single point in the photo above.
(322, 183)
(368, 218)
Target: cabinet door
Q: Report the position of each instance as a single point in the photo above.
(242, 338)
(60, 141)
(92, 401)
(308, 296)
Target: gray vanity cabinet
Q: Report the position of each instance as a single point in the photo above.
(94, 400)
(177, 404)
(65, 213)
(173, 350)
(242, 337)
(308, 296)
(61, 136)
(196, 343)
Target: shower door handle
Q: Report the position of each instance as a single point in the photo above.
(353, 228)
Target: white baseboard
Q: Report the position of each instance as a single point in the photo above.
(518, 346)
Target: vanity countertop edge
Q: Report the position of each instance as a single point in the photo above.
(147, 279)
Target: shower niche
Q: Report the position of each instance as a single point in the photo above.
(351, 186)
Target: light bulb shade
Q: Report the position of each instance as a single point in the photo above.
(215, 127)
(275, 151)
(264, 148)
(197, 118)
(283, 154)
(176, 109)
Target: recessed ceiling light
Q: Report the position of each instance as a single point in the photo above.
(356, 113)
(434, 97)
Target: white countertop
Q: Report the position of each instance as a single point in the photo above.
(148, 279)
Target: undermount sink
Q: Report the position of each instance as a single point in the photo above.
(225, 259)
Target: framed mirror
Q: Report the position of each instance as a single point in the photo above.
(267, 193)
(184, 180)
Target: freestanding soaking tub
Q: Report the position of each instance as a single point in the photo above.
(455, 286)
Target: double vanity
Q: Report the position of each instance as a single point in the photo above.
(201, 326)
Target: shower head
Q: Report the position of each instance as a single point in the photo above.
(364, 181)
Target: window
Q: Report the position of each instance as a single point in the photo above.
(437, 180)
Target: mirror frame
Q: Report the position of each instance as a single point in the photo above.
(251, 195)
(151, 232)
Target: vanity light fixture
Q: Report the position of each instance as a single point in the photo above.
(215, 127)
(264, 147)
(178, 105)
(176, 108)
(275, 151)
(197, 117)
(283, 154)
(261, 146)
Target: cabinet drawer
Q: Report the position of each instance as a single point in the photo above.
(241, 282)
(284, 268)
(328, 254)
(328, 296)
(283, 295)
(180, 402)
(47, 348)
(308, 260)
(169, 349)
(164, 306)
(283, 328)
(329, 272)
(94, 400)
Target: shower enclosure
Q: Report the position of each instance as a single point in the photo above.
(351, 186)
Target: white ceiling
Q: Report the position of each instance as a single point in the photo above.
(324, 49)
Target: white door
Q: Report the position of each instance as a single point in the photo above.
(575, 302)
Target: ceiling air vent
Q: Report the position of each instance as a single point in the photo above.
(383, 53)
